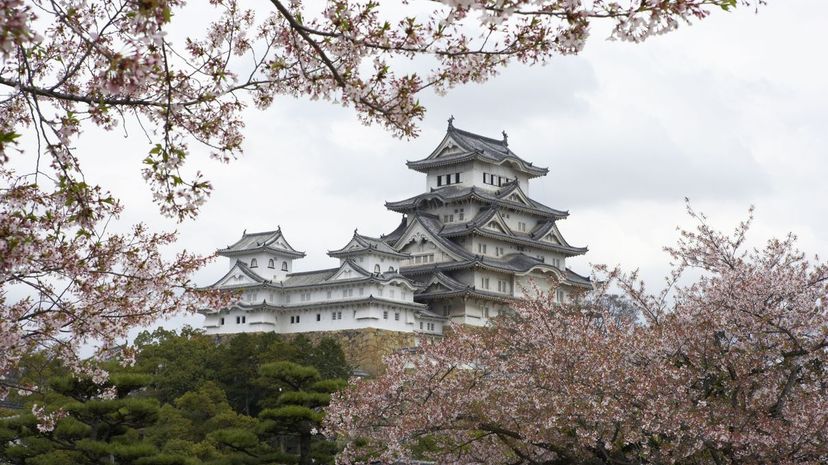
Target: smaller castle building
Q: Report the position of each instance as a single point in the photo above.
(366, 290)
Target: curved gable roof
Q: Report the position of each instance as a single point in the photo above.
(456, 193)
(362, 244)
(471, 146)
(245, 270)
(273, 241)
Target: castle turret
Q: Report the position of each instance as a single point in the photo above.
(267, 253)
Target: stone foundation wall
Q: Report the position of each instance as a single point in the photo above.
(365, 348)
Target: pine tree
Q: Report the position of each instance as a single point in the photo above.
(295, 406)
(76, 422)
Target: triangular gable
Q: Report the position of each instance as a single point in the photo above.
(436, 286)
(518, 196)
(354, 244)
(449, 149)
(497, 223)
(239, 275)
(281, 243)
(416, 233)
(278, 241)
(349, 270)
(551, 238)
(446, 148)
(496, 227)
(555, 234)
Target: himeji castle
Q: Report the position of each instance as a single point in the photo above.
(465, 249)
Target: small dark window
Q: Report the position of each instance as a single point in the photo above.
(318, 317)
(238, 319)
(456, 178)
(254, 263)
(271, 263)
(292, 320)
(244, 319)
(221, 321)
(439, 181)
(297, 318)
(284, 266)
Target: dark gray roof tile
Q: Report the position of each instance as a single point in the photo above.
(476, 146)
(267, 240)
(362, 244)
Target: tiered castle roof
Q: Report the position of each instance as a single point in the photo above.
(360, 244)
(307, 278)
(471, 147)
(511, 263)
(509, 195)
(459, 147)
(267, 241)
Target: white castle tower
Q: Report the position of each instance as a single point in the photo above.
(476, 238)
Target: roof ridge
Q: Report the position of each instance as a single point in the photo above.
(260, 233)
(478, 136)
(311, 272)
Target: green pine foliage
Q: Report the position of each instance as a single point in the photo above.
(295, 407)
(189, 399)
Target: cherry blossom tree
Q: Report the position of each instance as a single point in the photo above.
(67, 65)
(729, 368)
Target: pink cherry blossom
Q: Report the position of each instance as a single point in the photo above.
(729, 368)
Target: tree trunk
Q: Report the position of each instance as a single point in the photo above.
(304, 449)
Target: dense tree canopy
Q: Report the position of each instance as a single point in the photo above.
(727, 368)
(148, 414)
(69, 65)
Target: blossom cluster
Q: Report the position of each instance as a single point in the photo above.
(82, 285)
(729, 368)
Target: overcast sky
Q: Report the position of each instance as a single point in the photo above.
(730, 112)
